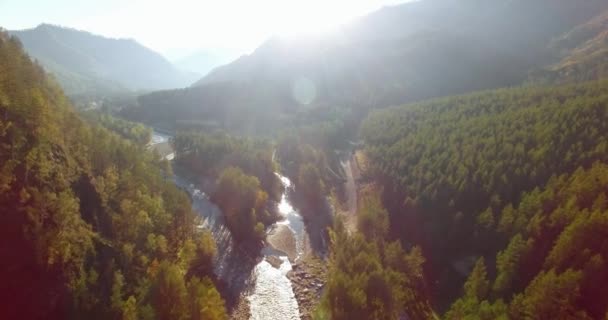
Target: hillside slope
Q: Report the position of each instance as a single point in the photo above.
(84, 62)
(450, 166)
(90, 226)
(581, 54)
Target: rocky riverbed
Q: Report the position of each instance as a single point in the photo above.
(308, 278)
(241, 310)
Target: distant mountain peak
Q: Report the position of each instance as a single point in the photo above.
(46, 25)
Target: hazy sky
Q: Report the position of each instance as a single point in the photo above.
(179, 27)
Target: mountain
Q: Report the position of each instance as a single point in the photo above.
(399, 54)
(466, 42)
(86, 63)
(204, 61)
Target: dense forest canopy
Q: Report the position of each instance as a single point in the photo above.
(450, 165)
(371, 277)
(553, 266)
(91, 226)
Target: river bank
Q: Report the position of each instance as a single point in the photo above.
(308, 279)
(233, 267)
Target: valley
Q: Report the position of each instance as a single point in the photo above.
(431, 159)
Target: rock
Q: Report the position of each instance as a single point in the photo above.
(274, 261)
(283, 239)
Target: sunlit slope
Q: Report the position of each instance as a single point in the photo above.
(581, 54)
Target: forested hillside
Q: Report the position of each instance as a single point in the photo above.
(450, 166)
(554, 266)
(85, 63)
(90, 226)
(371, 277)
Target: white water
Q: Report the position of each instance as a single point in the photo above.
(293, 220)
(158, 138)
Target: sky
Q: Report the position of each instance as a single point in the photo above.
(177, 28)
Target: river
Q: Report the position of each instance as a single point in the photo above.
(271, 294)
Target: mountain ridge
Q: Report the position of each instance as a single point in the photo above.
(396, 55)
(84, 62)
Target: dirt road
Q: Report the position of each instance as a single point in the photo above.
(350, 188)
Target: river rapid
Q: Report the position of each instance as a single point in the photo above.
(270, 293)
